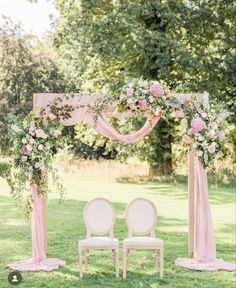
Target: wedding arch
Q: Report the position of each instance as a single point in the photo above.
(70, 109)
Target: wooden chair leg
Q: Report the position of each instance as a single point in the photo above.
(114, 256)
(86, 260)
(155, 257)
(127, 258)
(117, 262)
(124, 262)
(161, 261)
(81, 268)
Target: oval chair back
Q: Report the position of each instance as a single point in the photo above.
(141, 217)
(99, 217)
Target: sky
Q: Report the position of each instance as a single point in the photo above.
(34, 17)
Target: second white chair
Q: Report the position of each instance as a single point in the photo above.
(99, 217)
(141, 218)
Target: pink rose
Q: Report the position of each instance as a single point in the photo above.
(143, 104)
(129, 92)
(51, 116)
(197, 124)
(156, 89)
(221, 135)
(186, 139)
(26, 152)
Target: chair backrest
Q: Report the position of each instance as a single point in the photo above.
(99, 217)
(141, 217)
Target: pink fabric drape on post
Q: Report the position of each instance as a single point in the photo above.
(38, 230)
(39, 239)
(201, 241)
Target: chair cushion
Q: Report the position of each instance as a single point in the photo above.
(142, 242)
(99, 242)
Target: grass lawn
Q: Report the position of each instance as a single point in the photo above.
(65, 227)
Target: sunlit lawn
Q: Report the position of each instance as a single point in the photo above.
(65, 227)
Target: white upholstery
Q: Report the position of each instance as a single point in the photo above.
(103, 242)
(142, 242)
(99, 216)
(141, 216)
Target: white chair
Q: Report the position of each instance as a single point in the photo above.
(99, 218)
(141, 219)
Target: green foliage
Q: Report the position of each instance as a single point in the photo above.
(25, 68)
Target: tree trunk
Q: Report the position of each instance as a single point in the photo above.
(160, 159)
(164, 168)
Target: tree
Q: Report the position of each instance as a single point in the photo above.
(25, 68)
(189, 44)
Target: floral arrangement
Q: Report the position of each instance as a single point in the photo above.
(203, 126)
(149, 97)
(36, 141)
(204, 129)
(37, 137)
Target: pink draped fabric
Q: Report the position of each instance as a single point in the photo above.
(39, 240)
(201, 241)
(100, 124)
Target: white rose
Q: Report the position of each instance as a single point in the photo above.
(40, 147)
(199, 153)
(39, 133)
(157, 111)
(204, 115)
(44, 136)
(129, 100)
(221, 135)
(29, 147)
(214, 125)
(51, 116)
(190, 131)
(211, 148)
(151, 99)
(211, 133)
(37, 165)
(200, 137)
(219, 155)
(56, 132)
(184, 122)
(31, 141)
(24, 141)
(24, 158)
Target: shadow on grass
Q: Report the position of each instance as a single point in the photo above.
(176, 187)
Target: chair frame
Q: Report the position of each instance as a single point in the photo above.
(83, 258)
(151, 231)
